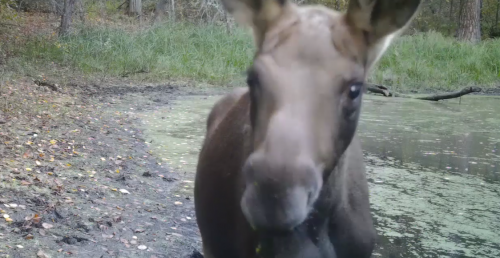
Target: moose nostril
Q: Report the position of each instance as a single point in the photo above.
(310, 198)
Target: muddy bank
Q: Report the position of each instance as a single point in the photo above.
(78, 179)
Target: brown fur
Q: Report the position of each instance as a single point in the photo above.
(281, 169)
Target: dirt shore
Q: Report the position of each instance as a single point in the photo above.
(78, 180)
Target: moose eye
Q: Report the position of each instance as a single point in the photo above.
(355, 90)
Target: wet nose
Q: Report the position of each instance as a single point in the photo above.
(279, 196)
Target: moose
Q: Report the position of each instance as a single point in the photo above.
(281, 172)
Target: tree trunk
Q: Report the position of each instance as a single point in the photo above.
(450, 17)
(66, 18)
(496, 15)
(451, 10)
(172, 10)
(469, 26)
(81, 11)
(228, 26)
(161, 9)
(135, 7)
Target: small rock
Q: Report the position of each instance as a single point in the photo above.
(13, 205)
(41, 254)
(178, 203)
(147, 174)
(124, 191)
(134, 237)
(69, 240)
(20, 246)
(133, 242)
(107, 236)
(142, 247)
(47, 225)
(170, 179)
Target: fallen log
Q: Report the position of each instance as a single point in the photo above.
(380, 89)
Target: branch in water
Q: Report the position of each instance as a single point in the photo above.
(380, 89)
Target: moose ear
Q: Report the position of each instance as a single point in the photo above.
(380, 18)
(258, 14)
(380, 21)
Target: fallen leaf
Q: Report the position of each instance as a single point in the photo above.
(47, 225)
(20, 246)
(6, 216)
(28, 237)
(124, 191)
(24, 182)
(9, 219)
(38, 163)
(107, 236)
(178, 203)
(37, 219)
(142, 247)
(29, 169)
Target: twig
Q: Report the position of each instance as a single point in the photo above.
(49, 85)
(380, 89)
(451, 95)
(9, 24)
(120, 6)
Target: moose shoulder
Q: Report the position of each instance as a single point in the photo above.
(281, 171)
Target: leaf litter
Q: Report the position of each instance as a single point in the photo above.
(55, 156)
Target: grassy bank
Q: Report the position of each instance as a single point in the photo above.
(429, 61)
(207, 53)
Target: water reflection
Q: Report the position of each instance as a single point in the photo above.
(433, 169)
(461, 138)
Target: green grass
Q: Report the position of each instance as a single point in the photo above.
(175, 50)
(430, 61)
(208, 54)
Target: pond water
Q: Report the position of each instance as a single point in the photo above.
(433, 169)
